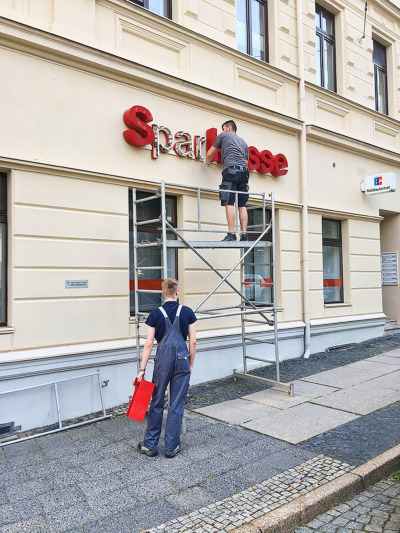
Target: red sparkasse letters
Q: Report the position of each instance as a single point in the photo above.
(266, 163)
(141, 133)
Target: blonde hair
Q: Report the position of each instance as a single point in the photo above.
(169, 286)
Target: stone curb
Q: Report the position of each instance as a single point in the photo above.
(307, 507)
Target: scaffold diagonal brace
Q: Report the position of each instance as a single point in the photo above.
(224, 278)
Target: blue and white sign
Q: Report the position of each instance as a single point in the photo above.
(379, 183)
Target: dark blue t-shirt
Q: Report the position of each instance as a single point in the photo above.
(157, 320)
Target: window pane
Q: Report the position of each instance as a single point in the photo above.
(152, 278)
(170, 208)
(3, 194)
(152, 209)
(319, 72)
(159, 6)
(379, 54)
(330, 229)
(318, 19)
(332, 261)
(329, 65)
(242, 26)
(380, 80)
(256, 219)
(258, 30)
(258, 277)
(327, 23)
(3, 273)
(148, 279)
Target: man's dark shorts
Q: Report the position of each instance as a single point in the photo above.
(234, 178)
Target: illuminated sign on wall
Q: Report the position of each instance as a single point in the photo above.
(379, 183)
(161, 139)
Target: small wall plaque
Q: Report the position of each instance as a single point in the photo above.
(76, 283)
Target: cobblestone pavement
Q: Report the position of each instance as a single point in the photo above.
(375, 510)
(91, 479)
(258, 500)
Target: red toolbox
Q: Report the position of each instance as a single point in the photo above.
(140, 400)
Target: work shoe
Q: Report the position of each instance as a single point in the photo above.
(230, 237)
(244, 237)
(141, 448)
(178, 449)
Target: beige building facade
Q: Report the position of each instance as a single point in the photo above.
(311, 85)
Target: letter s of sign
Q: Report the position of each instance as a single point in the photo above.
(254, 158)
(140, 133)
(267, 163)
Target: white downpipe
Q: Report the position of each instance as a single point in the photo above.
(307, 341)
(304, 182)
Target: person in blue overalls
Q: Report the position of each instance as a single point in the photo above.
(170, 325)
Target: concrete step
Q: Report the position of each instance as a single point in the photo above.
(391, 327)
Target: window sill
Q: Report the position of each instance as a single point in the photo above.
(6, 329)
(342, 304)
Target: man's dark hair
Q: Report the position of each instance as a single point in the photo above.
(230, 123)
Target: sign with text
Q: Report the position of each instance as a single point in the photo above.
(379, 183)
(390, 268)
(161, 139)
(76, 283)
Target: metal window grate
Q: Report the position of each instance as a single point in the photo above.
(6, 429)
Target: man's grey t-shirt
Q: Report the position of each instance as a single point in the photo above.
(233, 148)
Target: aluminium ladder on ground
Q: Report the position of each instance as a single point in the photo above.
(55, 386)
(266, 313)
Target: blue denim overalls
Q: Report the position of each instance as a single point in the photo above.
(172, 365)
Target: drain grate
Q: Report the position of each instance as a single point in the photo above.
(8, 429)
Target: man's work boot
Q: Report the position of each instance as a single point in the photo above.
(230, 237)
(141, 448)
(244, 237)
(173, 453)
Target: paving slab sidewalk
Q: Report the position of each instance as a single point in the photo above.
(348, 392)
(92, 479)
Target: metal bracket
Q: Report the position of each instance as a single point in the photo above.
(286, 387)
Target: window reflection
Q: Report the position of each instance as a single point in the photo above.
(380, 77)
(325, 49)
(332, 260)
(160, 7)
(149, 278)
(257, 267)
(3, 249)
(252, 28)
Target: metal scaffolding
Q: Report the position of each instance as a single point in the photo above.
(250, 312)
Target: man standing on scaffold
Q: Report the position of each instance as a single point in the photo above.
(170, 325)
(235, 176)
